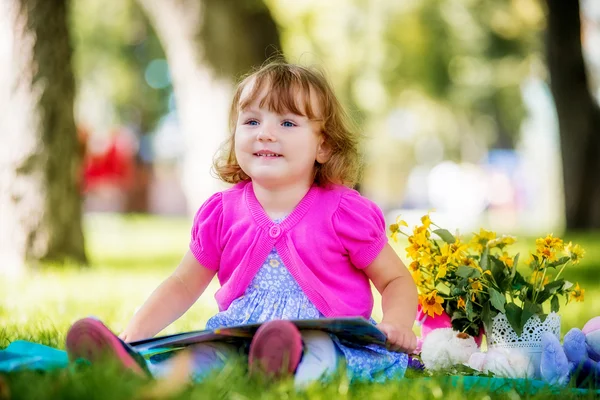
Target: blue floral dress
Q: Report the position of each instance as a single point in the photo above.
(275, 294)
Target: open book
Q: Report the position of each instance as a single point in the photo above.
(356, 330)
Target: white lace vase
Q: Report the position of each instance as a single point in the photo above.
(529, 343)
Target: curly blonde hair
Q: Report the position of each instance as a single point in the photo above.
(283, 81)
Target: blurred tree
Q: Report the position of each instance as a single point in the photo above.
(208, 43)
(119, 66)
(578, 115)
(40, 160)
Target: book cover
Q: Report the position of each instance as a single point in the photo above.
(352, 329)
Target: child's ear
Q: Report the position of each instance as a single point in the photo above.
(323, 152)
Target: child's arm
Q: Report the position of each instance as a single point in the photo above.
(399, 299)
(170, 300)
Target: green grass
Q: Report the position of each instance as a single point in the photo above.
(130, 257)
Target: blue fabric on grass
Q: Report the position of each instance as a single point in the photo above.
(21, 354)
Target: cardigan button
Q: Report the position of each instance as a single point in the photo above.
(275, 231)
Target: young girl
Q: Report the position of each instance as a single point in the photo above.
(290, 240)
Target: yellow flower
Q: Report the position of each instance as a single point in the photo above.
(427, 280)
(481, 239)
(506, 259)
(414, 266)
(274, 263)
(546, 253)
(420, 235)
(395, 228)
(401, 222)
(442, 271)
(432, 303)
(547, 247)
(460, 303)
(550, 241)
(476, 285)
(425, 258)
(418, 277)
(505, 240)
(575, 252)
(442, 261)
(412, 251)
(470, 262)
(508, 240)
(577, 294)
(457, 251)
(426, 220)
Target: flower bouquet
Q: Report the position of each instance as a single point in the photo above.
(475, 281)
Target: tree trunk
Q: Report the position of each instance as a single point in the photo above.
(578, 115)
(207, 44)
(40, 202)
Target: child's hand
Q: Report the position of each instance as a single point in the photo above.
(399, 338)
(125, 337)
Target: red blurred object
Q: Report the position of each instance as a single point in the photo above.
(108, 161)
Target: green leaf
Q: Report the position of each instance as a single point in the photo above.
(484, 262)
(513, 314)
(554, 305)
(445, 235)
(467, 272)
(549, 290)
(559, 262)
(458, 289)
(543, 296)
(497, 269)
(553, 286)
(485, 314)
(458, 315)
(513, 269)
(529, 309)
(469, 309)
(498, 300)
(566, 285)
(518, 282)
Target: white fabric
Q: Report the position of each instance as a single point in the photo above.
(320, 358)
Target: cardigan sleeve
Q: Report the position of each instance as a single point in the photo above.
(360, 227)
(206, 232)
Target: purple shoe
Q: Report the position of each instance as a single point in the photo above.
(276, 349)
(91, 340)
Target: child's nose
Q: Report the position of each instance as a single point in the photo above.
(266, 133)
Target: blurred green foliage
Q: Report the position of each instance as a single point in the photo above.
(458, 63)
(459, 58)
(113, 46)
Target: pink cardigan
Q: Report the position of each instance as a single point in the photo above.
(332, 234)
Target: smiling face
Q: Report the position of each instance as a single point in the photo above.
(277, 148)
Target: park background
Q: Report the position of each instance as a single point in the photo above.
(110, 113)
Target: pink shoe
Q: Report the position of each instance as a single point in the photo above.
(276, 349)
(91, 340)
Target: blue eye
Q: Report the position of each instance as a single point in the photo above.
(288, 124)
(252, 122)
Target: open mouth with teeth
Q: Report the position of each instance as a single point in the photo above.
(267, 154)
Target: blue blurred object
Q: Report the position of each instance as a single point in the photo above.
(415, 363)
(21, 354)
